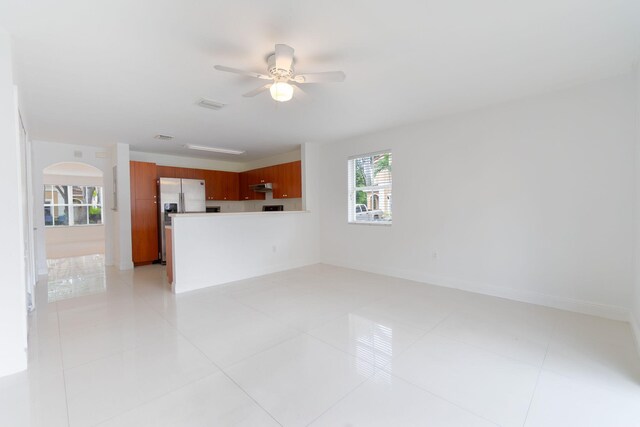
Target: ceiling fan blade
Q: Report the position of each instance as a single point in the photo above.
(326, 77)
(298, 92)
(257, 91)
(242, 72)
(284, 57)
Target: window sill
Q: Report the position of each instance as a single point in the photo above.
(74, 225)
(374, 223)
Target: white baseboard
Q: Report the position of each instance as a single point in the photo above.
(570, 304)
(182, 287)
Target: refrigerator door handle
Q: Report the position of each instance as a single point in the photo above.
(181, 207)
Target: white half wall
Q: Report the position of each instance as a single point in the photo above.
(211, 249)
(530, 200)
(219, 248)
(13, 306)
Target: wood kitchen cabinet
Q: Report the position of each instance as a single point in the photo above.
(213, 185)
(175, 172)
(220, 185)
(231, 186)
(144, 212)
(288, 181)
(167, 172)
(246, 179)
(143, 175)
(189, 173)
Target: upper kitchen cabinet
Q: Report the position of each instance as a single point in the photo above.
(175, 172)
(213, 184)
(168, 172)
(221, 185)
(143, 180)
(263, 175)
(245, 180)
(231, 186)
(189, 173)
(288, 181)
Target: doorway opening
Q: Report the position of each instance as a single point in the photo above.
(74, 229)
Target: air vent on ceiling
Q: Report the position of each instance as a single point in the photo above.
(163, 137)
(207, 103)
(77, 153)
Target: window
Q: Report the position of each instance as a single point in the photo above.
(66, 205)
(370, 196)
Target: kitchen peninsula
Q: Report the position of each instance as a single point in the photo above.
(210, 249)
(268, 187)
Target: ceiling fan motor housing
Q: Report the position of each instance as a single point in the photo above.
(278, 74)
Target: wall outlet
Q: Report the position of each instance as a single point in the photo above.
(435, 255)
(274, 249)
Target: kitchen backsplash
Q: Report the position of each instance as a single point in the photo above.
(255, 205)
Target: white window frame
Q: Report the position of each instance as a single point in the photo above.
(70, 205)
(352, 189)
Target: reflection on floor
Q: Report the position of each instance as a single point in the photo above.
(75, 277)
(320, 346)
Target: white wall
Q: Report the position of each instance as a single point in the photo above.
(65, 242)
(530, 200)
(288, 157)
(48, 153)
(120, 232)
(13, 312)
(635, 312)
(186, 162)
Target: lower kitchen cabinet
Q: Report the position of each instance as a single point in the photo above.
(144, 231)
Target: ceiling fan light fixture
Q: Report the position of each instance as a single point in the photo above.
(281, 91)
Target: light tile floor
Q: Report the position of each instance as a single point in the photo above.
(320, 345)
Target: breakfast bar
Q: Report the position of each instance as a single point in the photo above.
(209, 249)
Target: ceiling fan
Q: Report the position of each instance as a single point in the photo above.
(280, 72)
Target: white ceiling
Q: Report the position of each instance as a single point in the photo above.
(122, 71)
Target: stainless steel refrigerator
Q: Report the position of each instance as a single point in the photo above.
(179, 196)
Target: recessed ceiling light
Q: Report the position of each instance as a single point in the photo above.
(207, 103)
(163, 137)
(214, 149)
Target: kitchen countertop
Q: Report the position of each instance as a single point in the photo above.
(207, 214)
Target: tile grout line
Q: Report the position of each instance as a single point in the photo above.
(533, 393)
(376, 369)
(64, 373)
(214, 364)
(429, 331)
(535, 388)
(432, 330)
(224, 372)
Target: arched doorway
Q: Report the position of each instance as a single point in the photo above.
(74, 228)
